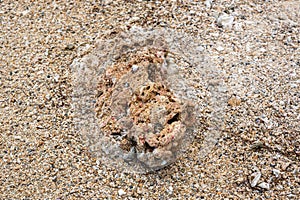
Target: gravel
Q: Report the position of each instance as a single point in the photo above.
(42, 156)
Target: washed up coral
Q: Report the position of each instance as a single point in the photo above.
(136, 108)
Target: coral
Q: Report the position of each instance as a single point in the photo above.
(138, 110)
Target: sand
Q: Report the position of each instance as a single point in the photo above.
(255, 43)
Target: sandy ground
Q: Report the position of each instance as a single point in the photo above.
(257, 156)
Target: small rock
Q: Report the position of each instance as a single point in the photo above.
(293, 85)
(163, 24)
(25, 12)
(200, 48)
(276, 172)
(130, 155)
(208, 3)
(170, 190)
(257, 145)
(139, 191)
(291, 196)
(285, 165)
(220, 48)
(192, 12)
(225, 21)
(134, 19)
(48, 96)
(121, 192)
(238, 27)
(282, 16)
(234, 101)
(272, 18)
(256, 176)
(296, 171)
(56, 77)
(134, 68)
(264, 185)
(279, 187)
(70, 47)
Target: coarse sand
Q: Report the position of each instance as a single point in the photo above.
(257, 45)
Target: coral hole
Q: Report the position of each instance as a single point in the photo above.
(174, 118)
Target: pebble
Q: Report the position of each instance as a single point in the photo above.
(220, 48)
(264, 185)
(257, 145)
(200, 48)
(224, 20)
(121, 192)
(170, 190)
(238, 27)
(276, 172)
(208, 3)
(134, 68)
(134, 19)
(291, 196)
(70, 47)
(234, 101)
(56, 77)
(285, 165)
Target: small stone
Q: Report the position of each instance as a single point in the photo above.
(134, 68)
(121, 192)
(48, 96)
(56, 77)
(238, 27)
(134, 19)
(257, 145)
(276, 172)
(234, 101)
(293, 85)
(264, 185)
(200, 48)
(163, 24)
(192, 12)
(25, 12)
(70, 47)
(139, 191)
(296, 171)
(220, 48)
(170, 190)
(291, 196)
(282, 16)
(286, 165)
(225, 21)
(208, 3)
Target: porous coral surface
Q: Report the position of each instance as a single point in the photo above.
(137, 110)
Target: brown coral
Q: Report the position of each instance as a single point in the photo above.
(136, 108)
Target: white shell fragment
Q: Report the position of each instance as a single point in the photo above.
(255, 178)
